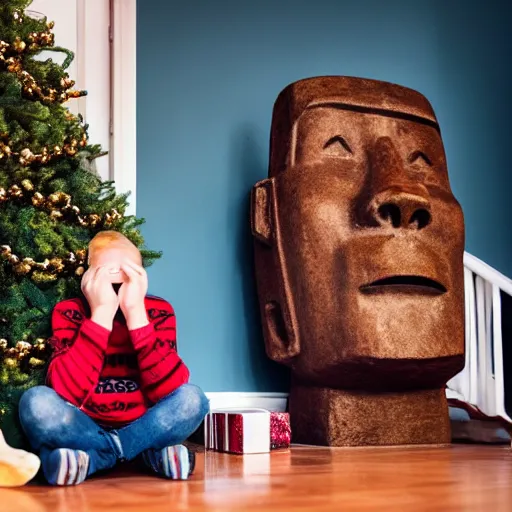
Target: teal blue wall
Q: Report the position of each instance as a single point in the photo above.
(208, 73)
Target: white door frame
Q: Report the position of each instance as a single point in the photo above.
(123, 141)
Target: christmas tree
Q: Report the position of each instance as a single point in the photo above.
(51, 203)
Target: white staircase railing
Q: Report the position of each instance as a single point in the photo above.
(482, 382)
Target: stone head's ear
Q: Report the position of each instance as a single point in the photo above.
(280, 327)
(262, 211)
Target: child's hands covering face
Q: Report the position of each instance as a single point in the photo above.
(100, 295)
(132, 294)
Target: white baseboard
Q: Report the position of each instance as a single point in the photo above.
(275, 402)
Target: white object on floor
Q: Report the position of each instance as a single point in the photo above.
(17, 467)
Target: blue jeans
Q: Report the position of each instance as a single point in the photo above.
(50, 422)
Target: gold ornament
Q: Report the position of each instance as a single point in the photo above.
(67, 83)
(59, 198)
(55, 215)
(5, 150)
(23, 348)
(80, 271)
(38, 199)
(3, 344)
(10, 362)
(14, 66)
(27, 185)
(45, 157)
(15, 191)
(5, 251)
(35, 363)
(113, 217)
(43, 266)
(13, 259)
(22, 269)
(19, 45)
(3, 195)
(26, 157)
(56, 265)
(53, 198)
(94, 219)
(81, 254)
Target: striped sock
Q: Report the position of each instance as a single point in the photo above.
(174, 462)
(65, 467)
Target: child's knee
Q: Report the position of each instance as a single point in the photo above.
(193, 401)
(188, 403)
(38, 408)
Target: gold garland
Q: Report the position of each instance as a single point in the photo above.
(47, 270)
(34, 354)
(58, 204)
(27, 157)
(11, 57)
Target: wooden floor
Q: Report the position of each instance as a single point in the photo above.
(459, 477)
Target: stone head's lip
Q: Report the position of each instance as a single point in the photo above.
(409, 283)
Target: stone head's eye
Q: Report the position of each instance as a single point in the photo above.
(419, 157)
(338, 143)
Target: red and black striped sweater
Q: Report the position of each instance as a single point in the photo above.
(114, 376)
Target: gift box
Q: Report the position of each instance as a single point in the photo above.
(280, 430)
(246, 431)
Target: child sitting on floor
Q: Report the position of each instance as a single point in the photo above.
(117, 387)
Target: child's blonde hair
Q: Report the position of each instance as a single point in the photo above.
(105, 239)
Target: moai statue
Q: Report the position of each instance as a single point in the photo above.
(359, 246)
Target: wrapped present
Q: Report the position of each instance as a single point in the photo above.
(280, 430)
(246, 431)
